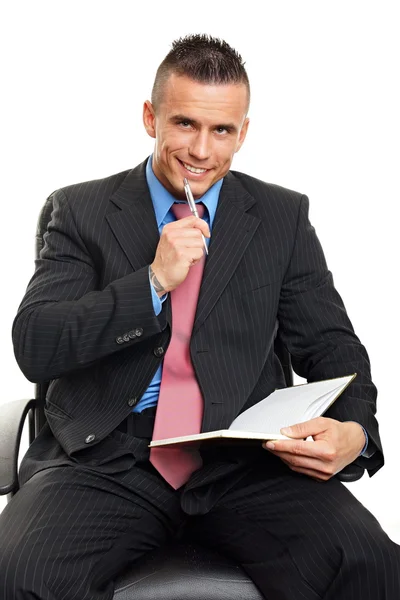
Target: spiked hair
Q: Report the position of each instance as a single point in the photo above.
(204, 59)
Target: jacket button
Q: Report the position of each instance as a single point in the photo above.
(90, 438)
(119, 340)
(139, 331)
(158, 351)
(126, 337)
(131, 334)
(132, 401)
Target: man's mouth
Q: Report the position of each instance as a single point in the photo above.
(193, 169)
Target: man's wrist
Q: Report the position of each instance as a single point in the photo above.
(157, 300)
(364, 449)
(155, 282)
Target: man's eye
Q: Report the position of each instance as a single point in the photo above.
(185, 124)
(221, 130)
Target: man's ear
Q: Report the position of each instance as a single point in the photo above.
(149, 119)
(243, 133)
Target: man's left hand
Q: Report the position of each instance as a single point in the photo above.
(335, 445)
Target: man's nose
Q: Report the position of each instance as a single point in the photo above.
(200, 147)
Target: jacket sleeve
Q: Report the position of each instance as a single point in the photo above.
(320, 338)
(65, 322)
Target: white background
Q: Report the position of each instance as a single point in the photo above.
(324, 121)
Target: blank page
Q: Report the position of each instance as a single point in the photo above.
(288, 406)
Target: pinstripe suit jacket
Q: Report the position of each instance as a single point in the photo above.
(87, 322)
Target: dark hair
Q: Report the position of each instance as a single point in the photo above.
(202, 58)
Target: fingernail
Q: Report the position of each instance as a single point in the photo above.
(270, 445)
(286, 430)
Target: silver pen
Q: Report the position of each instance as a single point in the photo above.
(192, 206)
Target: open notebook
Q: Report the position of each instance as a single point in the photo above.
(282, 408)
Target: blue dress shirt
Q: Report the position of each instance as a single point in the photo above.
(162, 202)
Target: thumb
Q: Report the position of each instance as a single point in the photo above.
(305, 429)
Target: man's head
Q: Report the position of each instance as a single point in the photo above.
(197, 113)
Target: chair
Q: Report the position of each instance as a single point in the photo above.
(180, 571)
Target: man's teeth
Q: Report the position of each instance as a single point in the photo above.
(193, 170)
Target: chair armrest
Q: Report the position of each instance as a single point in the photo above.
(12, 419)
(350, 473)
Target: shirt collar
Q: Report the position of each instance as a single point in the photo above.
(162, 199)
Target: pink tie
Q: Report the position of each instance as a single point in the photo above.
(180, 403)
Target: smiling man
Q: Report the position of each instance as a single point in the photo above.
(198, 127)
(143, 336)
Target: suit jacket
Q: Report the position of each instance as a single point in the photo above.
(87, 321)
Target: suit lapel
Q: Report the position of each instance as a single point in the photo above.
(135, 228)
(232, 231)
(134, 225)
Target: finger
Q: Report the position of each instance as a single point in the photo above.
(197, 254)
(185, 234)
(306, 462)
(177, 236)
(190, 223)
(316, 475)
(183, 244)
(204, 228)
(190, 256)
(311, 427)
(312, 471)
(298, 447)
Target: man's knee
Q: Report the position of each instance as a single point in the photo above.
(369, 555)
(379, 557)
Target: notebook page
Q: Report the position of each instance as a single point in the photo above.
(320, 405)
(287, 406)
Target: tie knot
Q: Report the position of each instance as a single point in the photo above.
(182, 210)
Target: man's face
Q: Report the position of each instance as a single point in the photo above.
(198, 128)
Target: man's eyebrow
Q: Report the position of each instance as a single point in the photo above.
(179, 118)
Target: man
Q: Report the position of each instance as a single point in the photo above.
(105, 319)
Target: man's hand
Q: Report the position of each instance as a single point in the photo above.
(335, 446)
(180, 247)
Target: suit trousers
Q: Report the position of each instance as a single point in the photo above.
(76, 523)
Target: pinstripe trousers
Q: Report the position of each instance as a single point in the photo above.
(76, 524)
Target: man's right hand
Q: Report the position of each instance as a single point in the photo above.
(180, 247)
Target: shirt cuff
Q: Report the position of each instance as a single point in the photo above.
(363, 451)
(157, 302)
(366, 442)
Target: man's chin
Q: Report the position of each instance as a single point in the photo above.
(199, 190)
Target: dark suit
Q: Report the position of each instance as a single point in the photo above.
(87, 323)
